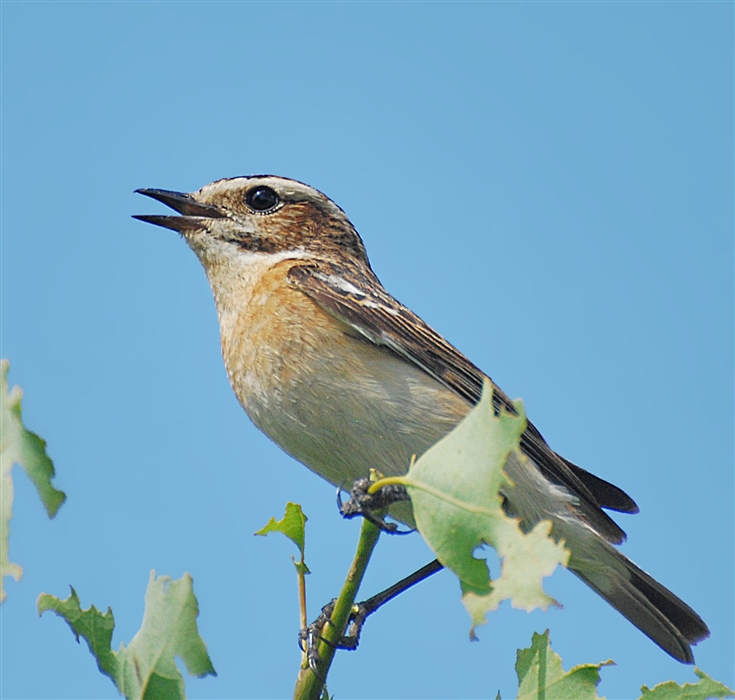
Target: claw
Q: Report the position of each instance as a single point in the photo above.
(313, 665)
(340, 502)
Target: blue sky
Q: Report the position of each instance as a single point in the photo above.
(550, 185)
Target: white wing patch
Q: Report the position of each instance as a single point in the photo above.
(342, 284)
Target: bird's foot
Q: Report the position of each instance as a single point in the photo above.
(371, 506)
(309, 637)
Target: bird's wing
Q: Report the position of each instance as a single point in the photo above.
(360, 302)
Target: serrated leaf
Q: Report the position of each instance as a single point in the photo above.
(147, 667)
(704, 689)
(455, 491)
(20, 446)
(541, 675)
(292, 525)
(95, 627)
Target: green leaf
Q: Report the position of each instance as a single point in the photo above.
(293, 526)
(146, 668)
(20, 446)
(540, 674)
(455, 491)
(704, 689)
(96, 628)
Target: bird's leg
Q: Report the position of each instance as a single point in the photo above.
(370, 505)
(358, 616)
(363, 610)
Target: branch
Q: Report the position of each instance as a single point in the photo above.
(308, 685)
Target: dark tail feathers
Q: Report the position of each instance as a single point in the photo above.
(652, 608)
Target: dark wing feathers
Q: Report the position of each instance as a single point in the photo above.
(359, 301)
(608, 495)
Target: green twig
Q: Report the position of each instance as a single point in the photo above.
(308, 685)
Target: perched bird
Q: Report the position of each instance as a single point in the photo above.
(344, 378)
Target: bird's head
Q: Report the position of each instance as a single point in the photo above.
(258, 214)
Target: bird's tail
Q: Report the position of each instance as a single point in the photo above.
(652, 608)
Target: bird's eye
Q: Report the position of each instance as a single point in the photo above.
(262, 198)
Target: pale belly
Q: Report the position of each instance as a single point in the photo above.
(341, 417)
(336, 402)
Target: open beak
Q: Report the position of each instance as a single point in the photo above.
(194, 213)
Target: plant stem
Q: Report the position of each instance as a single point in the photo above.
(301, 575)
(302, 594)
(308, 685)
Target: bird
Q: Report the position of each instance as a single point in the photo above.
(345, 378)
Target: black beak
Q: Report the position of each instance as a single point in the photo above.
(194, 213)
